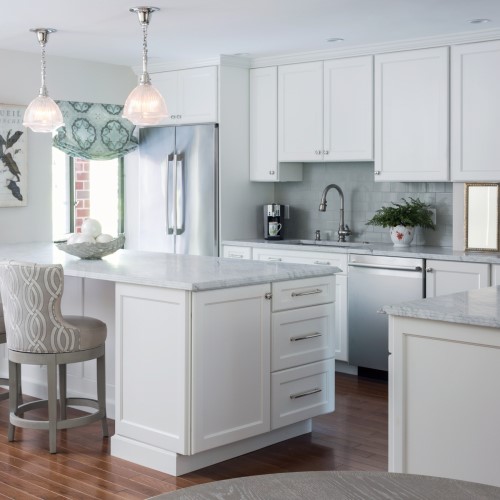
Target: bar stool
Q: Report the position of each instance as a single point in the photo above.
(38, 334)
(3, 340)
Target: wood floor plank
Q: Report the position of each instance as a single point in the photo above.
(354, 437)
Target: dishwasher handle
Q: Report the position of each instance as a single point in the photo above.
(415, 269)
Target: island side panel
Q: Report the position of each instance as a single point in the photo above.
(444, 400)
(152, 368)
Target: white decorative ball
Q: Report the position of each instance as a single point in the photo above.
(91, 227)
(72, 238)
(104, 238)
(85, 238)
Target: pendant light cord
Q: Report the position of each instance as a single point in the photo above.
(145, 75)
(43, 88)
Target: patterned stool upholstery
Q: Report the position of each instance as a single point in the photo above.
(38, 334)
(3, 340)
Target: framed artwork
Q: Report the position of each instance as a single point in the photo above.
(13, 157)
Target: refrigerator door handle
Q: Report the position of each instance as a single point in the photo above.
(179, 197)
(170, 193)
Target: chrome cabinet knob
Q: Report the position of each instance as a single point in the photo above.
(377, 172)
(326, 152)
(429, 270)
(271, 172)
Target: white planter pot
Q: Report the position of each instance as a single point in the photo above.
(402, 236)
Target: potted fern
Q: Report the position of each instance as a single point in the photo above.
(402, 218)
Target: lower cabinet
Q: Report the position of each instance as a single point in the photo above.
(201, 370)
(302, 353)
(319, 259)
(230, 365)
(444, 277)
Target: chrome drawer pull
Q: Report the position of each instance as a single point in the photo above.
(235, 255)
(305, 393)
(309, 292)
(305, 337)
(278, 259)
(322, 262)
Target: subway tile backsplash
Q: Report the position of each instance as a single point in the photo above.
(363, 196)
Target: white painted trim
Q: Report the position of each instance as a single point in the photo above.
(176, 464)
(320, 55)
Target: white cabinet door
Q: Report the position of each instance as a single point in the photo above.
(495, 274)
(348, 109)
(264, 164)
(444, 277)
(411, 115)
(341, 344)
(230, 365)
(300, 112)
(153, 366)
(190, 94)
(475, 112)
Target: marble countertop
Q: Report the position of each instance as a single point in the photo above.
(184, 272)
(474, 307)
(420, 252)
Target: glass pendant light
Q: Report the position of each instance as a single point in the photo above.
(43, 114)
(145, 105)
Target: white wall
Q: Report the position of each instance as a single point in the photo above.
(67, 79)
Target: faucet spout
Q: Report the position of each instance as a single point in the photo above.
(343, 228)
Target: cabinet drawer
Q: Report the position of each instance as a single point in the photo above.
(234, 252)
(301, 393)
(302, 257)
(301, 293)
(302, 336)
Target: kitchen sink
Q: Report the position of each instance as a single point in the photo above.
(323, 243)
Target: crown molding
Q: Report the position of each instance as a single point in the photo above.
(319, 55)
(223, 60)
(377, 48)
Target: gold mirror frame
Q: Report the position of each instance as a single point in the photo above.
(482, 211)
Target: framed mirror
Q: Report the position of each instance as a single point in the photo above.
(481, 217)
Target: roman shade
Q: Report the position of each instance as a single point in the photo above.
(94, 131)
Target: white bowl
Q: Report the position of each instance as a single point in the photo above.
(92, 250)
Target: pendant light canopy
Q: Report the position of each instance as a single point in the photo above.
(43, 114)
(145, 105)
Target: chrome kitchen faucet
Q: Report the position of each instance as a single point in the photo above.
(343, 228)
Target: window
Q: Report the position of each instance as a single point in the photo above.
(86, 188)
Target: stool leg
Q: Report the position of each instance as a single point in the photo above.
(52, 403)
(13, 396)
(19, 389)
(101, 392)
(62, 390)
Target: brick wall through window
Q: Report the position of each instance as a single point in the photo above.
(82, 192)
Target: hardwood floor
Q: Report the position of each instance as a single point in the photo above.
(354, 437)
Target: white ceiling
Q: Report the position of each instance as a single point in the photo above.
(105, 30)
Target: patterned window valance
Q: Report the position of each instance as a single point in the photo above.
(94, 131)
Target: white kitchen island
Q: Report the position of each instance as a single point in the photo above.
(207, 358)
(444, 386)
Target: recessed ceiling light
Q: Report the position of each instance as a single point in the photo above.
(334, 39)
(479, 21)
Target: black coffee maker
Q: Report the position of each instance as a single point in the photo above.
(274, 216)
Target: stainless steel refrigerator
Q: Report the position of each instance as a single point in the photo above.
(178, 192)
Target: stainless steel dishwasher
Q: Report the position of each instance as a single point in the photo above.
(375, 281)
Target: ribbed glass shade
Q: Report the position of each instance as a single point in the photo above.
(145, 106)
(43, 115)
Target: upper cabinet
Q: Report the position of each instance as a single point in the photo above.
(264, 164)
(475, 112)
(190, 94)
(411, 115)
(348, 109)
(325, 110)
(300, 112)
